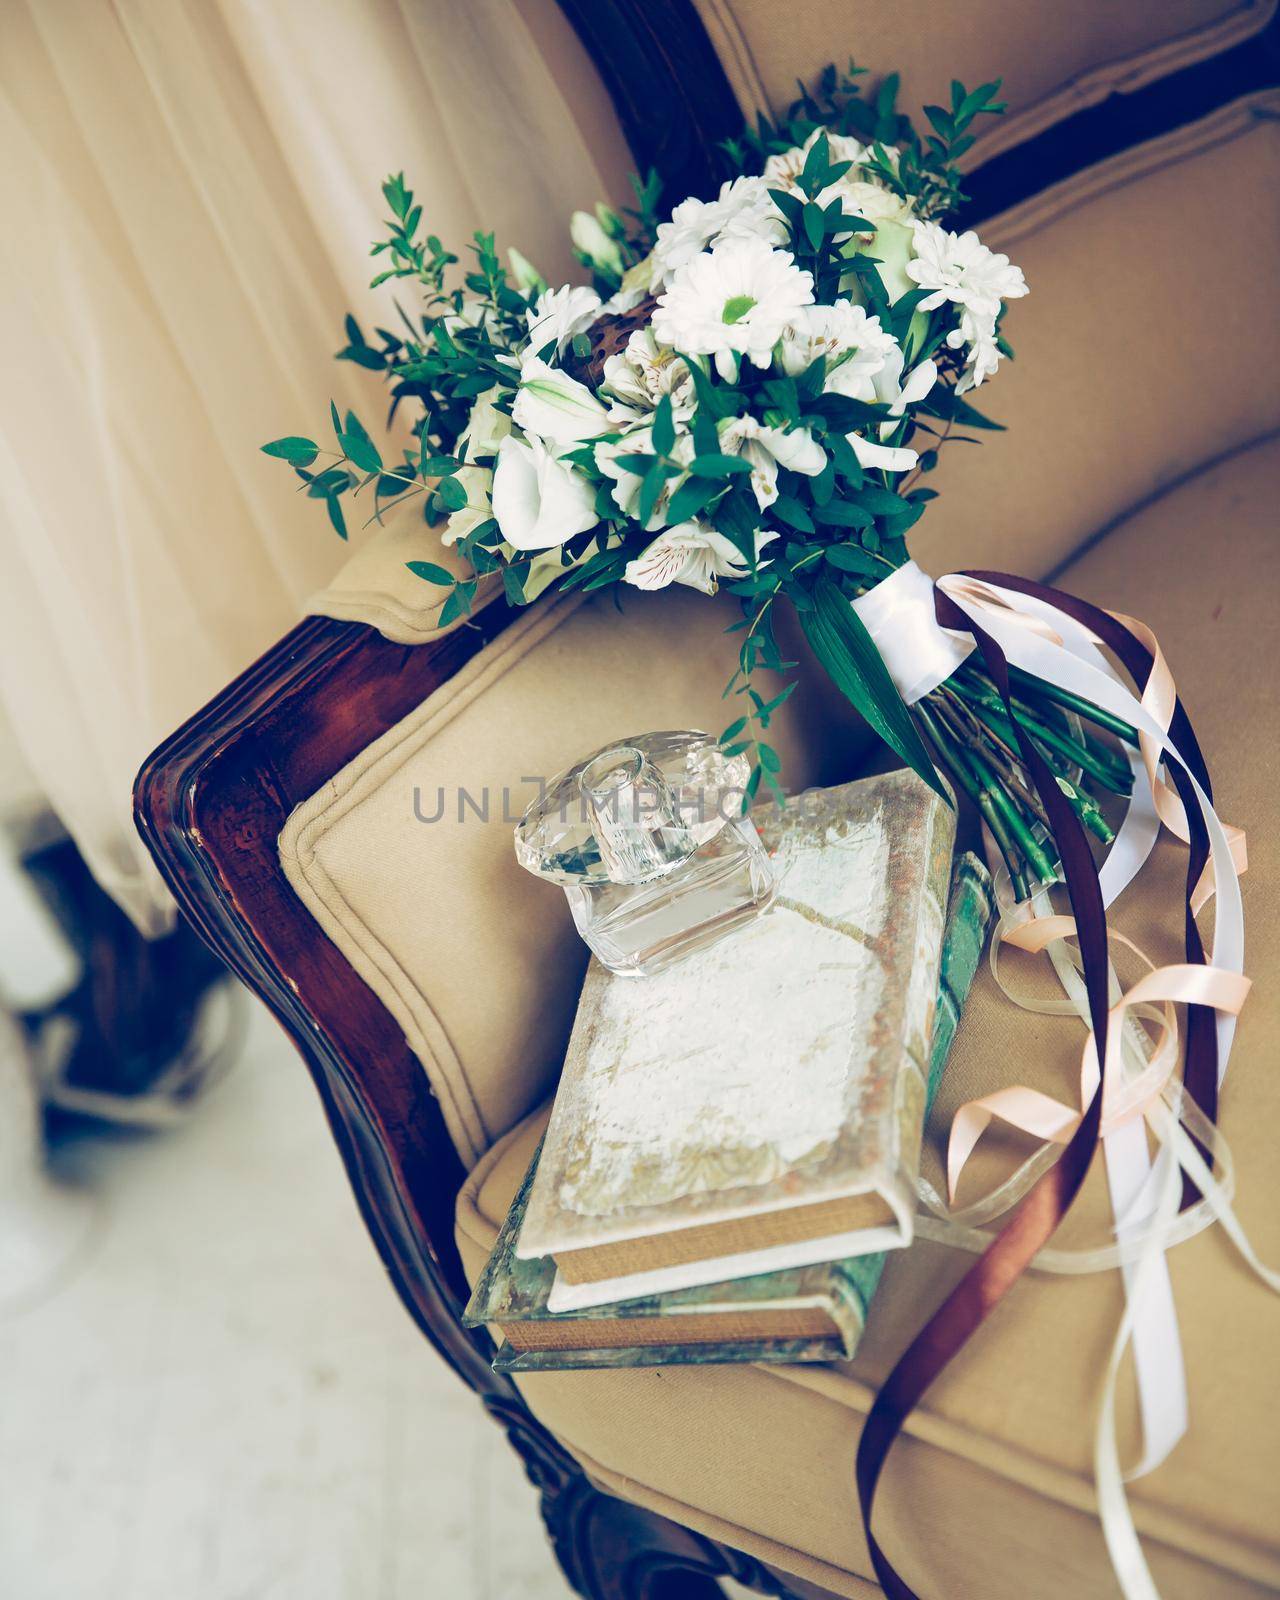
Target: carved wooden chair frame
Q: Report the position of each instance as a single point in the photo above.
(212, 800)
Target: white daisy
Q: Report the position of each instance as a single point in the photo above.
(734, 300)
(767, 449)
(959, 267)
(557, 316)
(742, 210)
(691, 553)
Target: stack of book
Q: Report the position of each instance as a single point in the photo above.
(735, 1143)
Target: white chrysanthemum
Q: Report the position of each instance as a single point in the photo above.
(978, 333)
(691, 553)
(557, 316)
(732, 301)
(767, 449)
(742, 210)
(640, 375)
(959, 267)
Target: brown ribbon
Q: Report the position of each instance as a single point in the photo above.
(1044, 1206)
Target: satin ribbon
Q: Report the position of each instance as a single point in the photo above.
(1056, 637)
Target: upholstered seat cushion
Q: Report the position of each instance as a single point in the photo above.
(991, 1492)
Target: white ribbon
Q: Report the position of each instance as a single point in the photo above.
(899, 614)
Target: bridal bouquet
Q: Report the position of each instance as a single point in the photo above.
(750, 392)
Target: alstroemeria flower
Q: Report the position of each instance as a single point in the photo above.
(539, 502)
(610, 458)
(693, 554)
(640, 375)
(767, 449)
(555, 406)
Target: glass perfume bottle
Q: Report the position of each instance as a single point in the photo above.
(647, 840)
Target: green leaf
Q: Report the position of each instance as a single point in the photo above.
(431, 573)
(814, 224)
(334, 509)
(650, 489)
(513, 584)
(359, 446)
(301, 452)
(664, 427)
(732, 731)
(852, 558)
(719, 466)
(844, 647)
(693, 496)
(451, 494)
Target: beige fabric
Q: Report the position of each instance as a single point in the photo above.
(1101, 410)
(995, 1482)
(1055, 60)
(475, 958)
(189, 190)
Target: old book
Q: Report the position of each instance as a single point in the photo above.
(813, 1313)
(759, 1106)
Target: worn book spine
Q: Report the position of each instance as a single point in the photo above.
(513, 1290)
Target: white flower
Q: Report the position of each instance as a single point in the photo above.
(892, 389)
(854, 344)
(589, 238)
(783, 171)
(554, 406)
(557, 316)
(743, 210)
(691, 553)
(733, 300)
(641, 374)
(894, 239)
(767, 449)
(539, 501)
(478, 483)
(979, 333)
(486, 427)
(636, 285)
(610, 458)
(959, 267)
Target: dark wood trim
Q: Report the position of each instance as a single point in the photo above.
(211, 803)
(676, 105)
(671, 94)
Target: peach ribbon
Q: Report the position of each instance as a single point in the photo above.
(1050, 1120)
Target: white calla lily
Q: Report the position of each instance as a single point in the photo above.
(539, 502)
(554, 406)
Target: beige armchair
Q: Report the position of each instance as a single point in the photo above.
(430, 984)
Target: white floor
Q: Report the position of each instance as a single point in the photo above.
(227, 1401)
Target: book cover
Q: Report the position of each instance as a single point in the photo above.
(813, 1313)
(759, 1106)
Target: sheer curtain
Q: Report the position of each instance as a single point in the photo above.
(189, 190)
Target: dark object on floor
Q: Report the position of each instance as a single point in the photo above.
(133, 1041)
